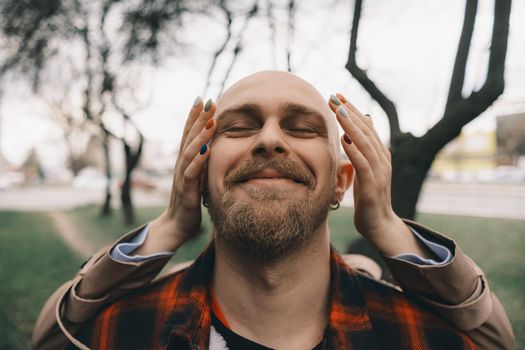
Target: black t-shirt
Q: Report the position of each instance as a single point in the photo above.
(237, 342)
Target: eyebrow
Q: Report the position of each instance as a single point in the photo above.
(248, 109)
(289, 109)
(294, 109)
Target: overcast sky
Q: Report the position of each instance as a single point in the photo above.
(408, 48)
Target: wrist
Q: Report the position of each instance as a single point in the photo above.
(385, 235)
(395, 238)
(161, 237)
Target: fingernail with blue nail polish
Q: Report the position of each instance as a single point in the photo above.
(204, 148)
(342, 111)
(347, 139)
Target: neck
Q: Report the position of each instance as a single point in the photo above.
(282, 303)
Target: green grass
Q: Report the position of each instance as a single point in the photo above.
(33, 263)
(106, 230)
(497, 245)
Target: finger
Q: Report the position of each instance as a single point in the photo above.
(384, 152)
(362, 167)
(362, 141)
(192, 116)
(187, 155)
(363, 121)
(382, 146)
(205, 115)
(364, 124)
(367, 119)
(195, 145)
(192, 175)
(353, 108)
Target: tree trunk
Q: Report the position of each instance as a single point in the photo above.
(106, 207)
(126, 201)
(410, 165)
(132, 160)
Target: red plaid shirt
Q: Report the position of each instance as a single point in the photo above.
(174, 313)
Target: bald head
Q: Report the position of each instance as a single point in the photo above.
(276, 89)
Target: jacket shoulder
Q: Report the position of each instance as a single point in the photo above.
(388, 297)
(389, 306)
(135, 320)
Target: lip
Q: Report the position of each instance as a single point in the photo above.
(269, 175)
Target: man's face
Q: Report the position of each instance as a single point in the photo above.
(273, 162)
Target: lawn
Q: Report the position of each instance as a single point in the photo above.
(497, 245)
(33, 263)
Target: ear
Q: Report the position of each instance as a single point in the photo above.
(345, 175)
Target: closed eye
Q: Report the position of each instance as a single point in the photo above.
(302, 132)
(239, 129)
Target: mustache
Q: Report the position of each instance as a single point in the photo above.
(286, 167)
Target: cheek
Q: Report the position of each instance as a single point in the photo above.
(223, 156)
(320, 158)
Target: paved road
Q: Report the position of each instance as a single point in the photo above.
(71, 234)
(471, 199)
(46, 198)
(488, 200)
(474, 199)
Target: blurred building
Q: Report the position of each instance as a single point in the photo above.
(3, 162)
(468, 155)
(510, 137)
(497, 155)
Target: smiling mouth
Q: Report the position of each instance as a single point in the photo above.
(270, 176)
(270, 179)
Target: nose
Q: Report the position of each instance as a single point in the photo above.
(271, 141)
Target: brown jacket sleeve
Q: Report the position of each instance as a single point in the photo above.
(99, 282)
(458, 291)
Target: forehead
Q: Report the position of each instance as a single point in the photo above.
(271, 92)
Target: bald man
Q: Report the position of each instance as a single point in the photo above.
(266, 162)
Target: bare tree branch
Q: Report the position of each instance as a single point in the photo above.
(89, 74)
(351, 65)
(289, 38)
(229, 20)
(238, 46)
(460, 64)
(460, 111)
(495, 82)
(273, 30)
(236, 51)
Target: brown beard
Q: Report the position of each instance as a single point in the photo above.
(275, 225)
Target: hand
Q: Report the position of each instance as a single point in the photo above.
(374, 216)
(182, 219)
(373, 168)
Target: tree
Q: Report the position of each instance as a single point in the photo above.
(412, 156)
(32, 167)
(230, 38)
(72, 129)
(38, 33)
